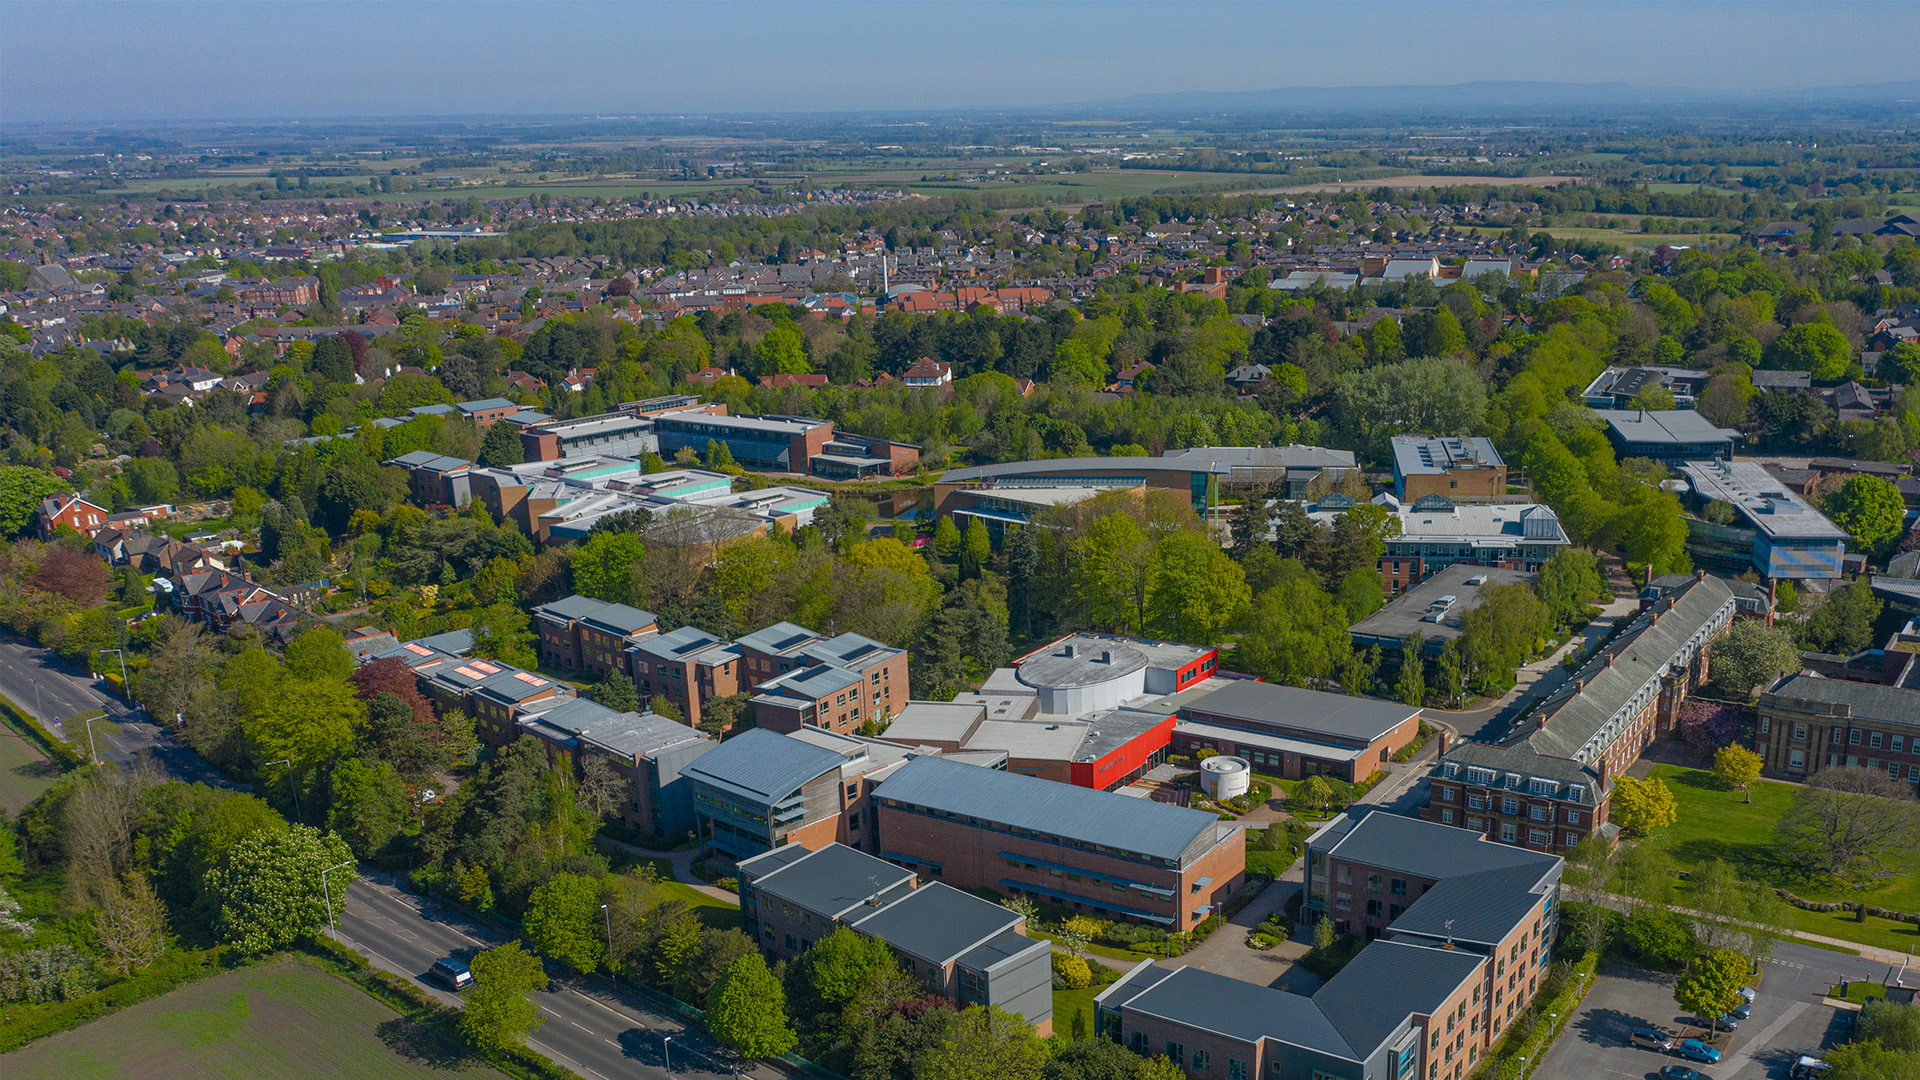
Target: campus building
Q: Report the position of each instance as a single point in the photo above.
(578, 633)
(1553, 772)
(1199, 473)
(1460, 934)
(1093, 852)
(615, 434)
(646, 749)
(1670, 436)
(1436, 532)
(1808, 723)
(801, 678)
(968, 950)
(1778, 533)
(1291, 733)
(1455, 467)
(688, 667)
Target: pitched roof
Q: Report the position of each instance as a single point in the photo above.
(1864, 701)
(937, 922)
(1371, 997)
(1424, 848)
(831, 881)
(1481, 908)
(1157, 830)
(762, 765)
(1244, 1011)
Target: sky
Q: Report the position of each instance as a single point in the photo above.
(193, 60)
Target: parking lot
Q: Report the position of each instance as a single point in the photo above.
(1788, 1020)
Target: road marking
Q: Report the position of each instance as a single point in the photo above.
(557, 1056)
(1759, 1042)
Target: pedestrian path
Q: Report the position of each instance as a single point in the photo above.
(681, 862)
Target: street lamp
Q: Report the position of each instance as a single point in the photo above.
(327, 892)
(609, 914)
(125, 687)
(288, 762)
(666, 1050)
(93, 756)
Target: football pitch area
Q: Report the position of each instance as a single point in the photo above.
(284, 1020)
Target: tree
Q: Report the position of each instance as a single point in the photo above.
(603, 567)
(320, 653)
(308, 721)
(976, 544)
(498, 1016)
(1640, 806)
(562, 920)
(268, 888)
(1314, 792)
(1732, 913)
(1817, 347)
(1851, 822)
(1412, 687)
(1891, 1024)
(502, 446)
(1844, 624)
(946, 539)
(1711, 987)
(1660, 938)
(1323, 934)
(1432, 395)
(1568, 583)
(369, 805)
(1870, 508)
(22, 489)
(1751, 654)
(1194, 589)
(601, 789)
(1864, 1060)
(1737, 767)
(131, 925)
(747, 1010)
(984, 1043)
(79, 576)
(1113, 561)
(781, 351)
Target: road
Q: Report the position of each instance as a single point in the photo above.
(597, 1031)
(1788, 1020)
(55, 692)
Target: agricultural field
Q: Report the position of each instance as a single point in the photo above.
(25, 772)
(284, 1020)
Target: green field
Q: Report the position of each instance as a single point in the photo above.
(284, 1020)
(25, 772)
(1715, 824)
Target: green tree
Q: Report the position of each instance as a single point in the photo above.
(562, 920)
(267, 889)
(1658, 937)
(1751, 654)
(320, 653)
(1113, 561)
(307, 721)
(1412, 687)
(946, 539)
(369, 805)
(1323, 934)
(498, 1016)
(976, 544)
(1870, 509)
(1817, 347)
(1711, 987)
(1890, 1024)
(1569, 583)
(1844, 624)
(781, 351)
(603, 567)
(1314, 793)
(501, 446)
(1641, 806)
(984, 1043)
(1737, 767)
(720, 455)
(1194, 589)
(22, 489)
(747, 1010)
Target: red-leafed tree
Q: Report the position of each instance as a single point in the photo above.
(389, 676)
(76, 575)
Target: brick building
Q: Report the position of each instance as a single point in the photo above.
(1457, 468)
(688, 667)
(1292, 733)
(761, 790)
(1808, 723)
(1094, 852)
(804, 679)
(582, 634)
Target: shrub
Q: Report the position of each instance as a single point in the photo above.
(1071, 972)
(53, 973)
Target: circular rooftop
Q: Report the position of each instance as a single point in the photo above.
(1075, 664)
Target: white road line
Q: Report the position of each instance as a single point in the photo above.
(557, 1056)
(1759, 1042)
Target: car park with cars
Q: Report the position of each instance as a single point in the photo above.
(1695, 1050)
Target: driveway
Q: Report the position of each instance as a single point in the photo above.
(1788, 1020)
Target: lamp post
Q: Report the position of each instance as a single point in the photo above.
(327, 892)
(609, 914)
(93, 756)
(666, 1050)
(288, 762)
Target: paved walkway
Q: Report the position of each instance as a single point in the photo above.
(1866, 952)
(1225, 952)
(681, 861)
(1537, 679)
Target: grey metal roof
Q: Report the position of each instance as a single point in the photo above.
(1296, 707)
(1074, 664)
(1670, 426)
(1480, 908)
(813, 682)
(642, 734)
(1371, 997)
(453, 642)
(936, 922)
(1417, 455)
(1866, 701)
(677, 646)
(763, 765)
(1522, 759)
(1766, 503)
(621, 618)
(1157, 830)
(1425, 848)
(577, 715)
(832, 881)
(849, 650)
(570, 608)
(777, 638)
(1244, 1011)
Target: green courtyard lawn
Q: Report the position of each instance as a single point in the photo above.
(1713, 823)
(1066, 1003)
(284, 1020)
(711, 910)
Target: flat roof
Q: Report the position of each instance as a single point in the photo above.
(937, 922)
(1265, 741)
(939, 721)
(1299, 708)
(760, 424)
(1072, 664)
(1155, 830)
(1430, 455)
(1669, 426)
(1407, 613)
(1769, 505)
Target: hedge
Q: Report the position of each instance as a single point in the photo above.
(174, 968)
(1541, 1033)
(57, 749)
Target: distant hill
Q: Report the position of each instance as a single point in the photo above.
(1504, 98)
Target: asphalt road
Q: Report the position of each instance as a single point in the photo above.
(597, 1031)
(1788, 1020)
(56, 692)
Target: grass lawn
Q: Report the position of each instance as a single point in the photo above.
(285, 1020)
(711, 910)
(1857, 992)
(1715, 824)
(25, 772)
(1067, 1003)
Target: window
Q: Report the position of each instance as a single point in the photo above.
(1398, 887)
(1541, 813)
(1375, 882)
(1766, 724)
(1573, 817)
(1539, 836)
(1447, 794)
(1475, 823)
(1236, 1069)
(1343, 874)
(1509, 806)
(1176, 1053)
(1839, 733)
(1873, 739)
(1573, 839)
(1477, 802)
(1506, 832)
(1343, 902)
(1202, 1061)
(1139, 1042)
(1796, 759)
(1799, 731)
(1893, 769)
(1899, 743)
(1373, 909)
(1446, 817)
(1853, 737)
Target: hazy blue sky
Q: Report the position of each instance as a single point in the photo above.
(189, 60)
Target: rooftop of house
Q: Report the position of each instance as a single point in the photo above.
(1073, 814)
(833, 881)
(935, 721)
(1429, 455)
(1480, 908)
(1864, 701)
(680, 646)
(937, 922)
(1768, 505)
(777, 639)
(1297, 708)
(1664, 426)
(1248, 1012)
(1512, 767)
(1372, 996)
(619, 618)
(1435, 518)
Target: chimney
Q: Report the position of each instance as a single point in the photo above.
(1647, 583)
(1600, 767)
(1699, 574)
(1069, 651)
(1609, 659)
(1106, 656)
(1579, 684)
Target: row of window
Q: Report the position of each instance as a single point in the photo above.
(1873, 740)
(1509, 805)
(1030, 834)
(1509, 833)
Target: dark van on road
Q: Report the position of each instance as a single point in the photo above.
(451, 973)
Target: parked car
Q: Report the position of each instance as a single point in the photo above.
(1728, 1022)
(1741, 1012)
(1678, 1072)
(1809, 1068)
(1650, 1039)
(1695, 1050)
(1747, 992)
(452, 973)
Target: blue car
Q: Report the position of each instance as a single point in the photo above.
(1678, 1072)
(1695, 1050)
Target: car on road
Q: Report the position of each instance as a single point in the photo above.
(452, 973)
(1695, 1050)
(1678, 1072)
